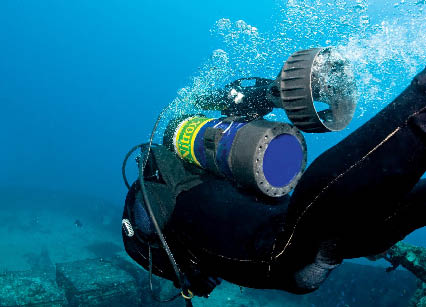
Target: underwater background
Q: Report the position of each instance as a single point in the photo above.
(81, 82)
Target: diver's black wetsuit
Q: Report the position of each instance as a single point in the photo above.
(356, 199)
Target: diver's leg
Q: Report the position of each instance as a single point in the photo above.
(409, 217)
(352, 187)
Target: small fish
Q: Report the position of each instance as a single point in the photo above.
(78, 224)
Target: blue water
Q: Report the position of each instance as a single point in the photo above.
(83, 81)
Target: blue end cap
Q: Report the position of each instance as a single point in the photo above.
(282, 160)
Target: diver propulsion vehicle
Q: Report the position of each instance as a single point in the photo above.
(316, 89)
(265, 155)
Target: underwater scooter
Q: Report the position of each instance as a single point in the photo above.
(316, 89)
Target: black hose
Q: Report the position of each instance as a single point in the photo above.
(123, 166)
(179, 275)
(158, 299)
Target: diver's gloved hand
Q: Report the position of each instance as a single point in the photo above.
(313, 275)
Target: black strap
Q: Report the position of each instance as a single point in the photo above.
(212, 137)
(172, 171)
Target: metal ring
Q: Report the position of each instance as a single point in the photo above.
(191, 295)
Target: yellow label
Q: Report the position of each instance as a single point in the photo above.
(185, 137)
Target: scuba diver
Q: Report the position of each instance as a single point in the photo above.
(213, 201)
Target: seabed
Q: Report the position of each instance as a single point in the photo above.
(49, 259)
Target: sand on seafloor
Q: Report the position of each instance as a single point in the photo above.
(39, 227)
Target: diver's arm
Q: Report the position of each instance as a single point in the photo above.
(357, 193)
